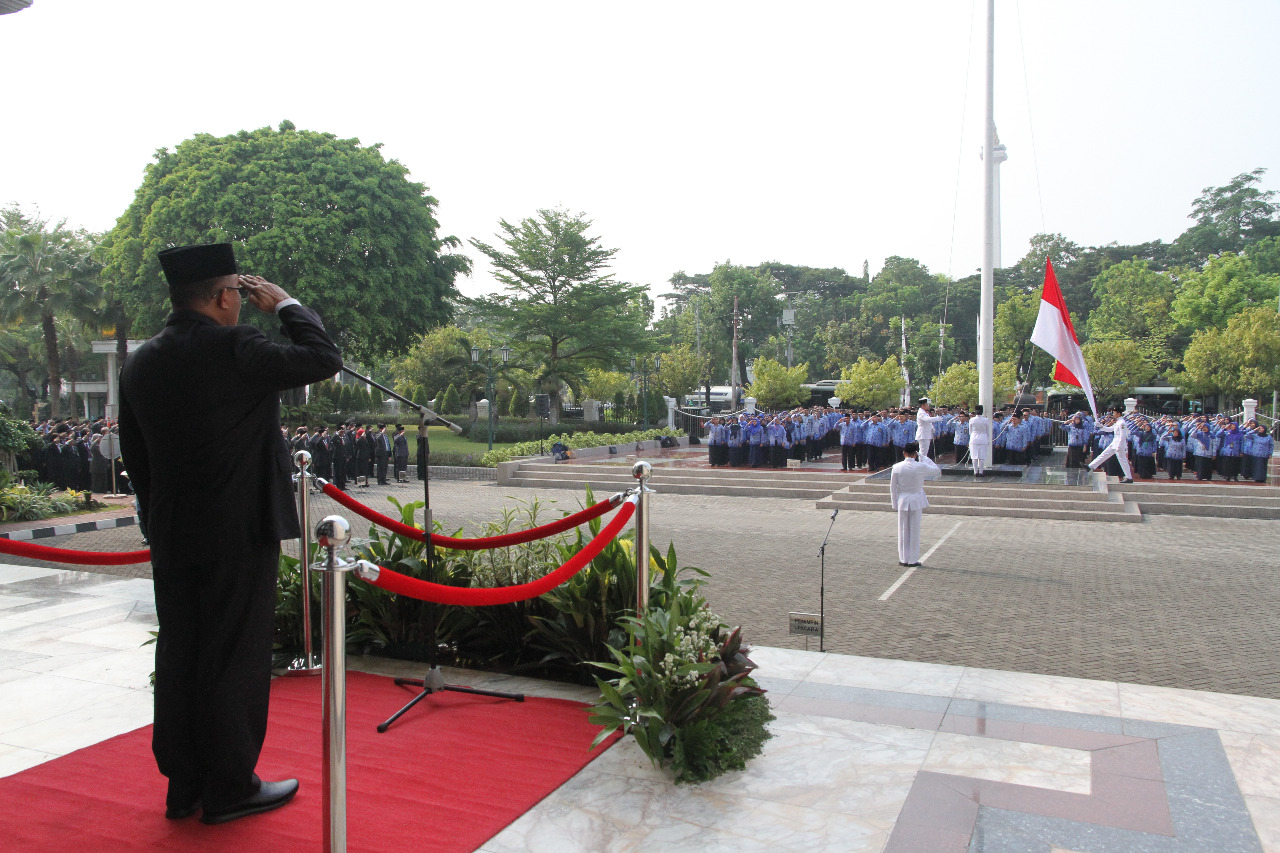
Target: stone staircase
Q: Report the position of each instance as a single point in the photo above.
(1093, 502)
(1217, 500)
(606, 478)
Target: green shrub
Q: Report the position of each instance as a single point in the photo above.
(450, 404)
(684, 691)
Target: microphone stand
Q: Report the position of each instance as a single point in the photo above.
(822, 585)
(433, 681)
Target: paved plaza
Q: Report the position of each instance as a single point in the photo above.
(1174, 601)
(1024, 690)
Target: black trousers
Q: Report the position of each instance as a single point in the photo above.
(1175, 468)
(847, 457)
(1204, 467)
(1075, 456)
(402, 465)
(382, 470)
(213, 670)
(1229, 467)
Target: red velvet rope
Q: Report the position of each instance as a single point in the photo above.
(80, 558)
(520, 536)
(441, 594)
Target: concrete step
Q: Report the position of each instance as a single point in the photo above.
(1155, 506)
(1045, 500)
(1203, 491)
(1013, 492)
(700, 474)
(1127, 512)
(602, 485)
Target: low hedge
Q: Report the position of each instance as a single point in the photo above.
(574, 441)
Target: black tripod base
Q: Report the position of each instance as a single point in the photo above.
(434, 683)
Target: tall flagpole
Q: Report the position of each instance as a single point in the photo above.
(986, 338)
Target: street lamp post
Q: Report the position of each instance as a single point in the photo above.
(644, 383)
(488, 372)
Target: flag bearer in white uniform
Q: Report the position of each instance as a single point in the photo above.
(906, 493)
(1119, 446)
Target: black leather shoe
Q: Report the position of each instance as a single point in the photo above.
(180, 812)
(272, 795)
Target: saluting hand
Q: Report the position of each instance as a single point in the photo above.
(264, 295)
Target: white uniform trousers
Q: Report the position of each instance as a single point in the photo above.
(909, 535)
(1123, 458)
(924, 446)
(979, 453)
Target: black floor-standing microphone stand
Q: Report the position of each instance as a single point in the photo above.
(822, 585)
(433, 681)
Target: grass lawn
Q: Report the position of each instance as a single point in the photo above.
(443, 440)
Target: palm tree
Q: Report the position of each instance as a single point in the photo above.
(48, 273)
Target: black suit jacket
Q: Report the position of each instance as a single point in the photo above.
(200, 429)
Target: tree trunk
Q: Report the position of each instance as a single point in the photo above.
(51, 354)
(123, 324)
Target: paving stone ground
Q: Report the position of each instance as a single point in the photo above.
(1173, 601)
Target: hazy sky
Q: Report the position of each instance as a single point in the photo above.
(822, 133)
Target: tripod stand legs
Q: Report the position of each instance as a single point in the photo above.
(433, 682)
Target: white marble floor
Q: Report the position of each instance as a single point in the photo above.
(865, 753)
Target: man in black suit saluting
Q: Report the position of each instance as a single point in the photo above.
(216, 507)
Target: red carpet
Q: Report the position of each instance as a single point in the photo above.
(447, 776)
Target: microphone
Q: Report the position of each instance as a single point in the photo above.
(834, 513)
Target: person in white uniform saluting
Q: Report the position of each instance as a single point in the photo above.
(906, 493)
(924, 425)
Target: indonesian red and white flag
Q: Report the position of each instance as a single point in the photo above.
(1055, 335)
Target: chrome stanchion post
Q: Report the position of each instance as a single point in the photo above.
(308, 665)
(332, 533)
(642, 471)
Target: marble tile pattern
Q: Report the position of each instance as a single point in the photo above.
(867, 755)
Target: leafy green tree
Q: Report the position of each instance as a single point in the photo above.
(758, 312)
(329, 220)
(1115, 368)
(562, 309)
(1230, 217)
(1227, 285)
(437, 358)
(1135, 303)
(1265, 255)
(1015, 319)
(958, 384)
(50, 272)
(21, 354)
(450, 403)
(845, 341)
(604, 384)
(682, 371)
(1242, 359)
(871, 384)
(778, 386)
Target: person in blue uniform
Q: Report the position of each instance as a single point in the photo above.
(1261, 447)
(1205, 445)
(1175, 451)
(1229, 451)
(1143, 442)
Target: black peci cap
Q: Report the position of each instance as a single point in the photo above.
(184, 265)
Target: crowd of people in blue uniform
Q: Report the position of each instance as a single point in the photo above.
(1198, 444)
(1203, 445)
